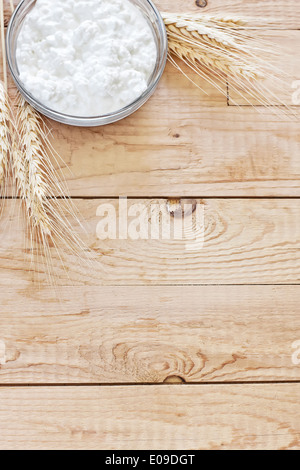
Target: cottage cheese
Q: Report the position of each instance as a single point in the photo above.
(86, 58)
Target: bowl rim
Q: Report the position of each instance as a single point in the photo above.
(90, 121)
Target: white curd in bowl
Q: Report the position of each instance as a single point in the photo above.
(86, 58)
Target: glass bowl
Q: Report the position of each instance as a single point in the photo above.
(155, 20)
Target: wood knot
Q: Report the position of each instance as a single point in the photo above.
(201, 3)
(179, 208)
(8, 354)
(174, 379)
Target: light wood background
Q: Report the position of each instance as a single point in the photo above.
(160, 347)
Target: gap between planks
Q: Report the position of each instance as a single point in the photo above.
(145, 384)
(163, 197)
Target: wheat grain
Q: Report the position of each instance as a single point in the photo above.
(4, 134)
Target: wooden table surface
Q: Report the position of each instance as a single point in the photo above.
(162, 347)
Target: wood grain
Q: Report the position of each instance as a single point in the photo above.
(149, 334)
(286, 66)
(204, 152)
(222, 417)
(284, 15)
(248, 241)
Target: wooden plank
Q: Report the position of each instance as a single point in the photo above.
(284, 16)
(286, 64)
(184, 137)
(205, 152)
(159, 417)
(247, 241)
(150, 334)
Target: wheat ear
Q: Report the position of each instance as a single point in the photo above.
(28, 157)
(4, 134)
(221, 50)
(50, 215)
(28, 163)
(5, 114)
(38, 181)
(52, 218)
